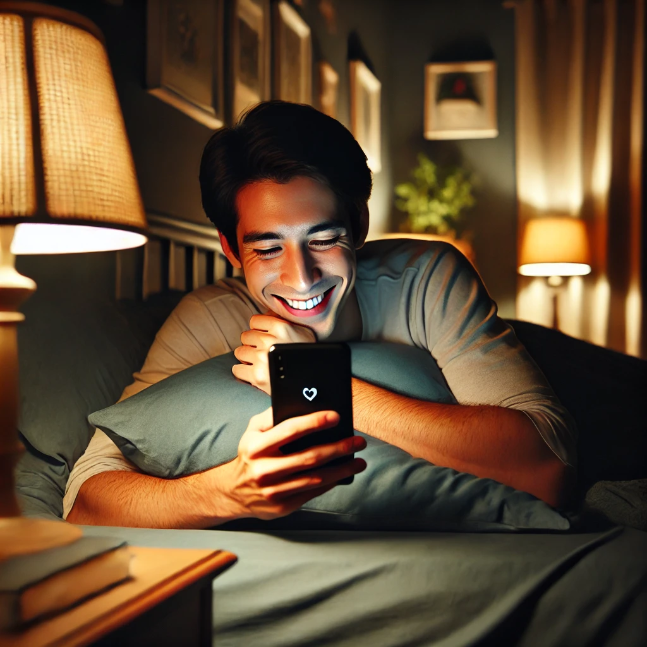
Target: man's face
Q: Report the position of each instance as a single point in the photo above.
(296, 251)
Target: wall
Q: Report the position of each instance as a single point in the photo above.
(435, 30)
(397, 38)
(360, 28)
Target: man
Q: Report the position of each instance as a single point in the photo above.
(287, 189)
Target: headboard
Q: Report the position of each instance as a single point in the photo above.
(179, 255)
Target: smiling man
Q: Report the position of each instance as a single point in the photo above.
(298, 257)
(287, 189)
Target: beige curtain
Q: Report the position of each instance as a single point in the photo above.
(580, 75)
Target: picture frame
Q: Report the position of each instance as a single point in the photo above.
(365, 112)
(460, 100)
(250, 54)
(292, 55)
(184, 57)
(328, 89)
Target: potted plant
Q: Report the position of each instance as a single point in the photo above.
(435, 203)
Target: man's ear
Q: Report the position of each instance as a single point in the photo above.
(231, 257)
(363, 227)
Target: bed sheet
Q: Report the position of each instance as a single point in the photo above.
(448, 589)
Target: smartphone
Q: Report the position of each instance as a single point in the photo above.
(312, 377)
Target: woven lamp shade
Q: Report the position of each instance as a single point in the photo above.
(555, 246)
(64, 153)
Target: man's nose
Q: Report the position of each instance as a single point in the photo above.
(300, 271)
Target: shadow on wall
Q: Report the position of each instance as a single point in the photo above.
(474, 48)
(356, 51)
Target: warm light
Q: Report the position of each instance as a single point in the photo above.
(73, 164)
(69, 239)
(555, 269)
(554, 246)
(67, 184)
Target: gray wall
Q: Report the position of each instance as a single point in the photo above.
(435, 31)
(361, 30)
(397, 37)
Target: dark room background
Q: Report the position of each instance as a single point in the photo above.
(396, 38)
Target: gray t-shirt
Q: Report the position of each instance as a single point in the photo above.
(419, 293)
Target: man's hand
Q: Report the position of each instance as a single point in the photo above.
(260, 482)
(265, 331)
(268, 484)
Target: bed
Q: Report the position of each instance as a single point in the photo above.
(297, 583)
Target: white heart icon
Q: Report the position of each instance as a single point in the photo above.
(310, 394)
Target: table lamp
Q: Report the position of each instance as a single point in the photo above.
(555, 247)
(67, 184)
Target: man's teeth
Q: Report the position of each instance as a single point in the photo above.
(305, 305)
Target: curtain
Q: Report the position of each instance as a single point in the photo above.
(579, 111)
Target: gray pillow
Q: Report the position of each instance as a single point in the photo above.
(194, 420)
(74, 358)
(78, 350)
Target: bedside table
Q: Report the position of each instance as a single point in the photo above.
(168, 601)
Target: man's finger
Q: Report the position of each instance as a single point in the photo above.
(319, 478)
(245, 354)
(265, 323)
(261, 340)
(243, 372)
(276, 469)
(295, 428)
(262, 421)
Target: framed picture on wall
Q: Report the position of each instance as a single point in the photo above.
(292, 55)
(365, 124)
(250, 54)
(184, 58)
(328, 86)
(460, 100)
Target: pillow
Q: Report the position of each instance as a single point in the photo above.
(78, 350)
(193, 420)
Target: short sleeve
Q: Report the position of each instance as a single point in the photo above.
(479, 354)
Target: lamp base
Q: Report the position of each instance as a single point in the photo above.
(14, 289)
(22, 536)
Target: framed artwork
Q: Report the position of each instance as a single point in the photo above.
(292, 55)
(328, 86)
(365, 124)
(460, 100)
(250, 41)
(184, 58)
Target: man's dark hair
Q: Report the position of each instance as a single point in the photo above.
(280, 141)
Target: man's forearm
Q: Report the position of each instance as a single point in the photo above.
(138, 500)
(491, 442)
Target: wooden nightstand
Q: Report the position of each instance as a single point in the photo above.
(168, 602)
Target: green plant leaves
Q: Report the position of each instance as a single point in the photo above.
(437, 198)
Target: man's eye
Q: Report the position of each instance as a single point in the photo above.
(267, 253)
(329, 242)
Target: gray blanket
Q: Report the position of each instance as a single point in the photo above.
(359, 588)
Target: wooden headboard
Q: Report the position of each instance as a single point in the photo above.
(179, 255)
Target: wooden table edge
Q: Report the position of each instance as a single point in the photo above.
(212, 564)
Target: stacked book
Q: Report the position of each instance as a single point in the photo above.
(39, 584)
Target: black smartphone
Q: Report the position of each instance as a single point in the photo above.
(312, 377)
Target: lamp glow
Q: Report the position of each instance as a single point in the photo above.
(71, 239)
(555, 269)
(555, 246)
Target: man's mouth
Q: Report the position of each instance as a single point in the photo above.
(307, 307)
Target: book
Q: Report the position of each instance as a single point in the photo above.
(42, 583)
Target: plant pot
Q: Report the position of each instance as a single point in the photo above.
(462, 246)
